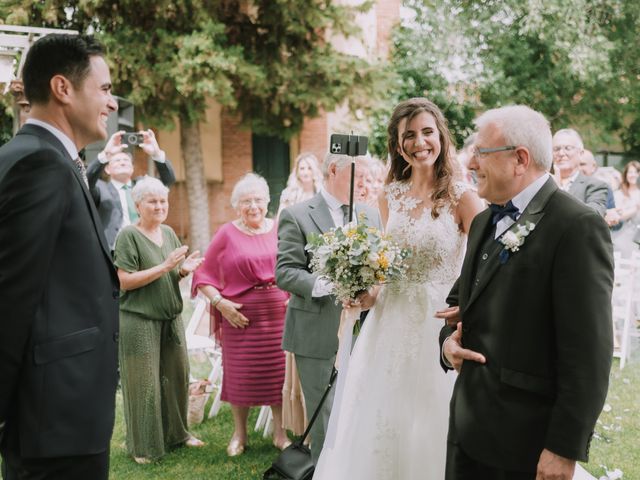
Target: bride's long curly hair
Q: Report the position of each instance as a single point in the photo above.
(444, 168)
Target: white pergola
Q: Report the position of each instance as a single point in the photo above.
(15, 41)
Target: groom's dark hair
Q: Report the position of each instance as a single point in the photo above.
(57, 54)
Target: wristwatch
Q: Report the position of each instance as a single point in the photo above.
(216, 300)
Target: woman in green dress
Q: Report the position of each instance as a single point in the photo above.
(154, 365)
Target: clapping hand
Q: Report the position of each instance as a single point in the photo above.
(175, 257)
(191, 263)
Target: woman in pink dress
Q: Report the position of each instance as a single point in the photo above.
(238, 279)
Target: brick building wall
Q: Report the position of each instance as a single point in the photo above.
(237, 158)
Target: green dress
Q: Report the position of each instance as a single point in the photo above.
(154, 365)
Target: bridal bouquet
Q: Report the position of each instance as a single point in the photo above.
(355, 257)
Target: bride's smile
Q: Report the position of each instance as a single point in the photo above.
(419, 140)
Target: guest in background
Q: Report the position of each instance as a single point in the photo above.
(154, 365)
(238, 279)
(304, 181)
(463, 156)
(628, 204)
(567, 151)
(375, 175)
(113, 198)
(311, 330)
(588, 164)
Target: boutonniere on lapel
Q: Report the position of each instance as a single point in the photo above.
(513, 239)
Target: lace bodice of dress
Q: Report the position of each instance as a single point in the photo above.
(437, 245)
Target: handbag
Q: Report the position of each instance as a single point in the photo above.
(294, 462)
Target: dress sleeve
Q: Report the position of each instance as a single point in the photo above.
(458, 189)
(126, 255)
(211, 270)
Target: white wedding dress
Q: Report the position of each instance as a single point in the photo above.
(393, 417)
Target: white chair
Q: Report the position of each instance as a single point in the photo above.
(197, 343)
(622, 302)
(265, 420)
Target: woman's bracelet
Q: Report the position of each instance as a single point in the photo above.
(182, 273)
(217, 298)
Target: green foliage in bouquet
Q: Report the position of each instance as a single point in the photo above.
(356, 257)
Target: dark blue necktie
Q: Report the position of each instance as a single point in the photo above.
(509, 210)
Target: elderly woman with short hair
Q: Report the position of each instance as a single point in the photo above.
(154, 365)
(238, 279)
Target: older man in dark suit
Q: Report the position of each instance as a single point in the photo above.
(58, 287)
(113, 197)
(533, 348)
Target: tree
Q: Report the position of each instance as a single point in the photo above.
(425, 60)
(570, 59)
(269, 60)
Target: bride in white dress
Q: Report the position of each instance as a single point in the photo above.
(393, 417)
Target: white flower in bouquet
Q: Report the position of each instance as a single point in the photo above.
(355, 257)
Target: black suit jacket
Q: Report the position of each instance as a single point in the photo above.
(107, 198)
(58, 305)
(543, 322)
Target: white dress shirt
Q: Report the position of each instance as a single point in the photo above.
(126, 219)
(67, 143)
(323, 286)
(567, 182)
(521, 201)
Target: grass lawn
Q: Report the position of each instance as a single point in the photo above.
(209, 462)
(616, 443)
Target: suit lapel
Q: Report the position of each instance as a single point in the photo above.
(319, 213)
(49, 137)
(533, 213)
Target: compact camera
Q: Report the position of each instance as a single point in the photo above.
(132, 138)
(352, 145)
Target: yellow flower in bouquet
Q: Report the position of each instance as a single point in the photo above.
(355, 257)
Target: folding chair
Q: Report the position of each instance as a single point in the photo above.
(265, 420)
(622, 302)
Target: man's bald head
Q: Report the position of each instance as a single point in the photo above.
(588, 164)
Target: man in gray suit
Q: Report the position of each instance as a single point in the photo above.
(567, 152)
(311, 325)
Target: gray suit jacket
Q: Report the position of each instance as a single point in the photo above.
(590, 191)
(107, 199)
(311, 324)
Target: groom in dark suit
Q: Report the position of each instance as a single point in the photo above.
(534, 344)
(58, 287)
